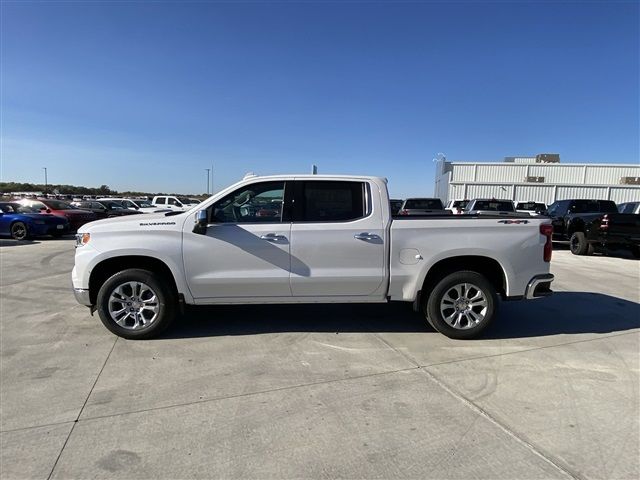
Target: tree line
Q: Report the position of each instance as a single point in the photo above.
(102, 190)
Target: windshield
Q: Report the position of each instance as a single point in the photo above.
(17, 208)
(35, 204)
(494, 206)
(529, 206)
(58, 205)
(144, 203)
(423, 204)
(184, 200)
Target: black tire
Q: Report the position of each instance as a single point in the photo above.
(434, 315)
(578, 244)
(166, 302)
(19, 231)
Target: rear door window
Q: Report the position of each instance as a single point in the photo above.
(329, 201)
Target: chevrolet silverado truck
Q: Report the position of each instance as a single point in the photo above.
(308, 239)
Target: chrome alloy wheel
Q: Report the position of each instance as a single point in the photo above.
(133, 305)
(463, 306)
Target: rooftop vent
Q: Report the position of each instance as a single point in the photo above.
(534, 180)
(548, 158)
(630, 180)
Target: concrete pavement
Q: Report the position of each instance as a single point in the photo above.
(355, 391)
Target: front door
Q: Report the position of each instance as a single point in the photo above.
(245, 249)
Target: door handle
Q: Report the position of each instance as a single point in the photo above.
(366, 236)
(272, 237)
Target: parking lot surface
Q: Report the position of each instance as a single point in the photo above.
(320, 391)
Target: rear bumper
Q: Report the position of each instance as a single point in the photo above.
(539, 286)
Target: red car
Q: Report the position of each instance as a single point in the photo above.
(75, 216)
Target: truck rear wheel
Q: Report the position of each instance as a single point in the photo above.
(462, 305)
(135, 304)
(578, 244)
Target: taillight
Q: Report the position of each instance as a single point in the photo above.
(547, 230)
(604, 223)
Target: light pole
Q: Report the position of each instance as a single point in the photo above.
(208, 170)
(45, 179)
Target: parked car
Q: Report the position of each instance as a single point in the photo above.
(593, 224)
(629, 207)
(532, 208)
(396, 205)
(334, 241)
(142, 206)
(75, 216)
(491, 206)
(106, 208)
(422, 207)
(23, 222)
(457, 206)
(170, 202)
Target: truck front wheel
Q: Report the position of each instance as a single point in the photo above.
(462, 305)
(136, 304)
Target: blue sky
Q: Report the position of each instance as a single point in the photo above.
(146, 95)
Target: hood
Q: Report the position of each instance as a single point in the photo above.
(137, 223)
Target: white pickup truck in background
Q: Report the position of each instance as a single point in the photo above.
(308, 239)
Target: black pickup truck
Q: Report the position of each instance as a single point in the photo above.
(591, 224)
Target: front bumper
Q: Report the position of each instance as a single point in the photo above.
(82, 296)
(38, 230)
(539, 286)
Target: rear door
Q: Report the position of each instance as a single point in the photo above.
(337, 239)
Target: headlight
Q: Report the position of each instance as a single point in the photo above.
(82, 239)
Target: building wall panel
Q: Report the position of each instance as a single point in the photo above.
(535, 193)
(502, 172)
(489, 191)
(625, 194)
(558, 173)
(462, 173)
(570, 192)
(606, 175)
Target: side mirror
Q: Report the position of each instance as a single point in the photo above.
(48, 210)
(201, 220)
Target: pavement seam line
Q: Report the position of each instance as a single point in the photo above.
(487, 416)
(30, 427)
(511, 433)
(75, 422)
(543, 347)
(398, 351)
(249, 394)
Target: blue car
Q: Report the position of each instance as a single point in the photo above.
(23, 222)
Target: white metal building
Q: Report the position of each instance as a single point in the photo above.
(530, 179)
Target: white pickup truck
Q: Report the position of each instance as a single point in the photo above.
(308, 239)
